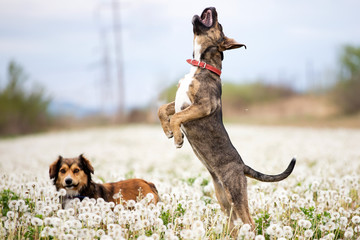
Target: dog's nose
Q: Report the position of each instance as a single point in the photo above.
(68, 181)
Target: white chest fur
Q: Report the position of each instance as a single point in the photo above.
(182, 97)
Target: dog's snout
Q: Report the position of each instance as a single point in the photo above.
(68, 181)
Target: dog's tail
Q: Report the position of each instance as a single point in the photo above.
(154, 189)
(249, 172)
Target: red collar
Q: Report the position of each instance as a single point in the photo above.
(204, 65)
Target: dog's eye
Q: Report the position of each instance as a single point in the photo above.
(62, 171)
(76, 170)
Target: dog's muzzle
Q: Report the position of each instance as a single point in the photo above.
(69, 183)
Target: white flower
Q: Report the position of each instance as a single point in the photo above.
(271, 229)
(149, 197)
(69, 237)
(198, 232)
(155, 236)
(130, 203)
(279, 232)
(70, 212)
(36, 221)
(294, 216)
(100, 233)
(197, 224)
(343, 221)
(356, 219)
(348, 200)
(61, 213)
(348, 234)
(142, 237)
(186, 221)
(13, 204)
(218, 229)
(106, 237)
(308, 233)
(295, 197)
(288, 231)
(330, 226)
(307, 224)
(259, 237)
(335, 215)
(62, 192)
(117, 196)
(187, 234)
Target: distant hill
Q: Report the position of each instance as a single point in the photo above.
(72, 109)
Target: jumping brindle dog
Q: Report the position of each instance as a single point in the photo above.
(197, 112)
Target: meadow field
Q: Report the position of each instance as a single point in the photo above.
(320, 199)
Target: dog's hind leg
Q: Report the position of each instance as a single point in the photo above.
(226, 206)
(235, 188)
(221, 195)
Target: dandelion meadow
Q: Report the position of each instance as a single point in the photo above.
(320, 199)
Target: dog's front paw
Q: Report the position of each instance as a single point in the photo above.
(179, 140)
(169, 134)
(167, 129)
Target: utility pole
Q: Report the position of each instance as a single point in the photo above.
(106, 94)
(118, 57)
(105, 84)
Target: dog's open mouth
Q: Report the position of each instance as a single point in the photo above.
(206, 18)
(71, 186)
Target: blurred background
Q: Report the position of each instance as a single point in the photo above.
(71, 64)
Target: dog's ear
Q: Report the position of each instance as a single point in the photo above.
(86, 163)
(229, 44)
(53, 169)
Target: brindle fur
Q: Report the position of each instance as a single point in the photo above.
(202, 124)
(80, 170)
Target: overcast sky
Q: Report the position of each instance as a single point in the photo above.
(60, 45)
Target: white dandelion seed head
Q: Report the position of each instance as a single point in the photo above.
(259, 237)
(149, 196)
(335, 216)
(37, 221)
(10, 214)
(218, 228)
(62, 192)
(197, 224)
(245, 229)
(330, 226)
(187, 234)
(111, 204)
(69, 237)
(348, 234)
(279, 232)
(106, 237)
(130, 203)
(186, 221)
(307, 224)
(271, 229)
(355, 219)
(308, 233)
(116, 196)
(343, 221)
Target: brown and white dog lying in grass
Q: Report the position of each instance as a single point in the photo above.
(74, 175)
